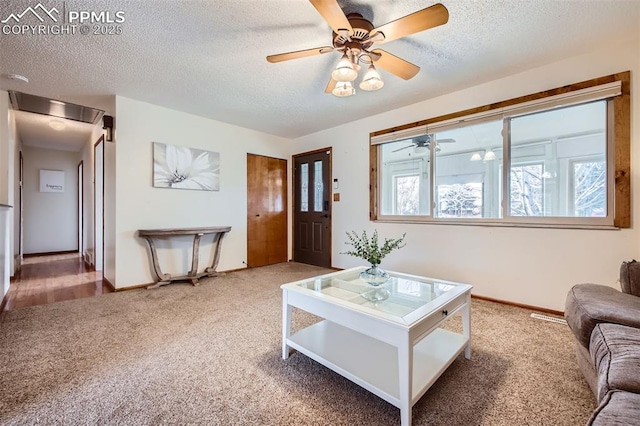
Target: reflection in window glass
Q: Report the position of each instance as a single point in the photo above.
(407, 194)
(405, 179)
(319, 187)
(556, 166)
(557, 159)
(460, 200)
(527, 191)
(304, 187)
(589, 188)
(467, 171)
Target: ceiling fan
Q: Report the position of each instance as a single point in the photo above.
(421, 144)
(354, 37)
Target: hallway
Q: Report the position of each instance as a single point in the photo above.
(54, 278)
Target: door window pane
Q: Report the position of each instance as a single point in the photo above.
(304, 187)
(319, 187)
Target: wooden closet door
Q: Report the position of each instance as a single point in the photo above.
(266, 210)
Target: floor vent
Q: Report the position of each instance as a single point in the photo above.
(549, 318)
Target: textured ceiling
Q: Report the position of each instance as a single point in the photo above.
(208, 57)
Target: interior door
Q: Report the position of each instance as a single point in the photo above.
(267, 241)
(312, 208)
(81, 209)
(98, 202)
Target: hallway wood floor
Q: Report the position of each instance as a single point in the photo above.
(55, 278)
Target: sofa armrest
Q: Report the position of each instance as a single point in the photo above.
(590, 304)
(630, 277)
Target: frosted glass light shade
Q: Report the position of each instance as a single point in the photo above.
(343, 89)
(419, 150)
(476, 157)
(344, 70)
(489, 156)
(371, 80)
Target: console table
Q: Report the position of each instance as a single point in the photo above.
(193, 275)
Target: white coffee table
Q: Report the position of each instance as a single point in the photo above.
(395, 348)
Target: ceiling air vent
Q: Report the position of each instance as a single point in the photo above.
(51, 107)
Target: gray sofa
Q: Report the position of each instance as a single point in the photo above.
(606, 324)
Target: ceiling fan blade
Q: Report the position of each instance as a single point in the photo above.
(419, 21)
(299, 54)
(330, 86)
(395, 65)
(333, 14)
(404, 147)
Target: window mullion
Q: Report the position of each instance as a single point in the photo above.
(506, 168)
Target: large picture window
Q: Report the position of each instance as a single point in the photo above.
(561, 151)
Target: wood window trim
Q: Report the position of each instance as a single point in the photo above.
(622, 141)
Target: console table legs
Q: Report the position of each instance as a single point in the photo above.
(162, 277)
(192, 275)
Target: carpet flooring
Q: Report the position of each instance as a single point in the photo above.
(211, 355)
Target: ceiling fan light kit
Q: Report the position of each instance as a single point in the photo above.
(354, 37)
(344, 70)
(371, 80)
(343, 89)
(476, 157)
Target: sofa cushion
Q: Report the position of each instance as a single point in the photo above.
(617, 408)
(630, 277)
(615, 350)
(590, 304)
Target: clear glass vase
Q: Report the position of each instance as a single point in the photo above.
(376, 278)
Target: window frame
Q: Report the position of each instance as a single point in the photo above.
(617, 157)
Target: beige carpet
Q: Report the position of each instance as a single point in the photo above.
(211, 355)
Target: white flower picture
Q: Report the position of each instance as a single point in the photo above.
(185, 168)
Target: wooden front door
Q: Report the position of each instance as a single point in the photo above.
(266, 210)
(312, 208)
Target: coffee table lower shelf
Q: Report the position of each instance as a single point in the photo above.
(373, 364)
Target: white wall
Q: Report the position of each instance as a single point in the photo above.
(16, 237)
(50, 219)
(6, 179)
(87, 156)
(9, 146)
(140, 206)
(529, 266)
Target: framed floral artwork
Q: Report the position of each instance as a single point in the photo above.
(185, 168)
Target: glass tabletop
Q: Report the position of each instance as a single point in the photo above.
(407, 293)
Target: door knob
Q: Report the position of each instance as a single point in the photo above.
(326, 215)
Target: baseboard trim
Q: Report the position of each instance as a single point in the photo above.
(49, 253)
(133, 287)
(519, 305)
(4, 302)
(137, 286)
(109, 284)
